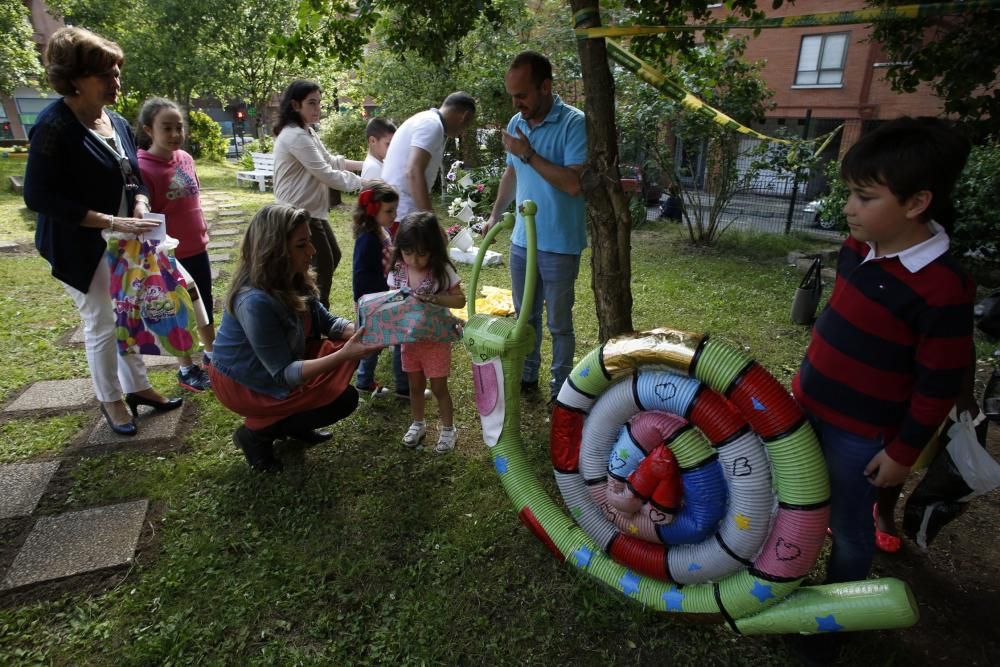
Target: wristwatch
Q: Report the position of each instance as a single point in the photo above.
(526, 158)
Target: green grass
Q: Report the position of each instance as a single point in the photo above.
(362, 552)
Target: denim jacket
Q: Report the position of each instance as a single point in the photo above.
(262, 344)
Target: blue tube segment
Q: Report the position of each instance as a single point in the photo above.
(705, 499)
(669, 392)
(625, 456)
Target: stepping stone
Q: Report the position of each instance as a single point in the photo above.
(22, 486)
(229, 221)
(215, 273)
(151, 360)
(78, 542)
(77, 337)
(158, 360)
(8, 246)
(220, 245)
(55, 394)
(218, 258)
(152, 426)
(227, 231)
(231, 214)
(227, 203)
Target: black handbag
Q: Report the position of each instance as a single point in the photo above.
(807, 294)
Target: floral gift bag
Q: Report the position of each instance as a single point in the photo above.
(153, 309)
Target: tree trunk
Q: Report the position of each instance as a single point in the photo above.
(607, 208)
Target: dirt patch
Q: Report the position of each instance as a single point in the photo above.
(956, 584)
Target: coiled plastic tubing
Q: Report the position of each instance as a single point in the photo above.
(690, 480)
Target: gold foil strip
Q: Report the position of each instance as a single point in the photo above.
(666, 347)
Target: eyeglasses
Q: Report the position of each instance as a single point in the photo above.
(131, 182)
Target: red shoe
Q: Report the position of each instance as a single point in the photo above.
(885, 542)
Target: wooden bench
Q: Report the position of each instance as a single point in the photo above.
(263, 171)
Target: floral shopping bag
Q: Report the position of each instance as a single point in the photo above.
(153, 310)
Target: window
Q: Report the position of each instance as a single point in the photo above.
(821, 60)
(28, 109)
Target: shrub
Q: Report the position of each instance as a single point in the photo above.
(831, 205)
(977, 201)
(344, 134)
(265, 145)
(205, 137)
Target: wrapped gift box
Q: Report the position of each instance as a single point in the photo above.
(397, 316)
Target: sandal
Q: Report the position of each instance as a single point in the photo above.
(885, 542)
(446, 441)
(414, 435)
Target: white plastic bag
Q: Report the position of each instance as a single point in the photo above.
(978, 469)
(491, 258)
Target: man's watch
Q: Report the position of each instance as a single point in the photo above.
(526, 158)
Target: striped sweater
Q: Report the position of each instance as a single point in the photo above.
(889, 350)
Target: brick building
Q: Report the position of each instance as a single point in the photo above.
(834, 71)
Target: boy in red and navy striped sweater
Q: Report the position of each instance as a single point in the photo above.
(887, 355)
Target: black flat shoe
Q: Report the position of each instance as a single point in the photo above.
(313, 436)
(135, 400)
(128, 428)
(259, 451)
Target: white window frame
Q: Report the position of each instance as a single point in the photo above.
(820, 54)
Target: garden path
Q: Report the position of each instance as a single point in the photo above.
(42, 548)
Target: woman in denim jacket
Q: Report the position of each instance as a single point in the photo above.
(270, 364)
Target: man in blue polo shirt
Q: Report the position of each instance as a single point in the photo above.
(546, 144)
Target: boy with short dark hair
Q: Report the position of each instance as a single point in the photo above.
(887, 355)
(379, 132)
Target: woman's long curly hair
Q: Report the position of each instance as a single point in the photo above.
(264, 259)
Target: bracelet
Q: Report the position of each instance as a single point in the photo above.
(111, 222)
(526, 158)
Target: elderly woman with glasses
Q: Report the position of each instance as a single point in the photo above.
(83, 177)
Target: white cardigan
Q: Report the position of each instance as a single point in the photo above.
(304, 170)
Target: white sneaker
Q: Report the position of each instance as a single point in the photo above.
(414, 435)
(376, 391)
(446, 441)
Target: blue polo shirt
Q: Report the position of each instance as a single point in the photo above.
(561, 139)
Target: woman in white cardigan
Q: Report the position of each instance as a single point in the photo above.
(304, 171)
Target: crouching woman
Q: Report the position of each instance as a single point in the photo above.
(281, 360)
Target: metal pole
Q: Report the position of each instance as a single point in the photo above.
(795, 180)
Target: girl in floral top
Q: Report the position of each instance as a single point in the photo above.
(420, 262)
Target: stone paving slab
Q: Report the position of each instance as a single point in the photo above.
(151, 360)
(231, 213)
(22, 486)
(78, 542)
(215, 273)
(229, 222)
(8, 246)
(221, 245)
(227, 203)
(218, 258)
(227, 231)
(152, 426)
(54, 394)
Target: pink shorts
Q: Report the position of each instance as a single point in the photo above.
(434, 359)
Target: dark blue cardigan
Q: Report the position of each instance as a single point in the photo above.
(69, 173)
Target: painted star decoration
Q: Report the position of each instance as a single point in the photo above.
(828, 624)
(583, 556)
(501, 464)
(742, 521)
(761, 591)
(674, 599)
(629, 583)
